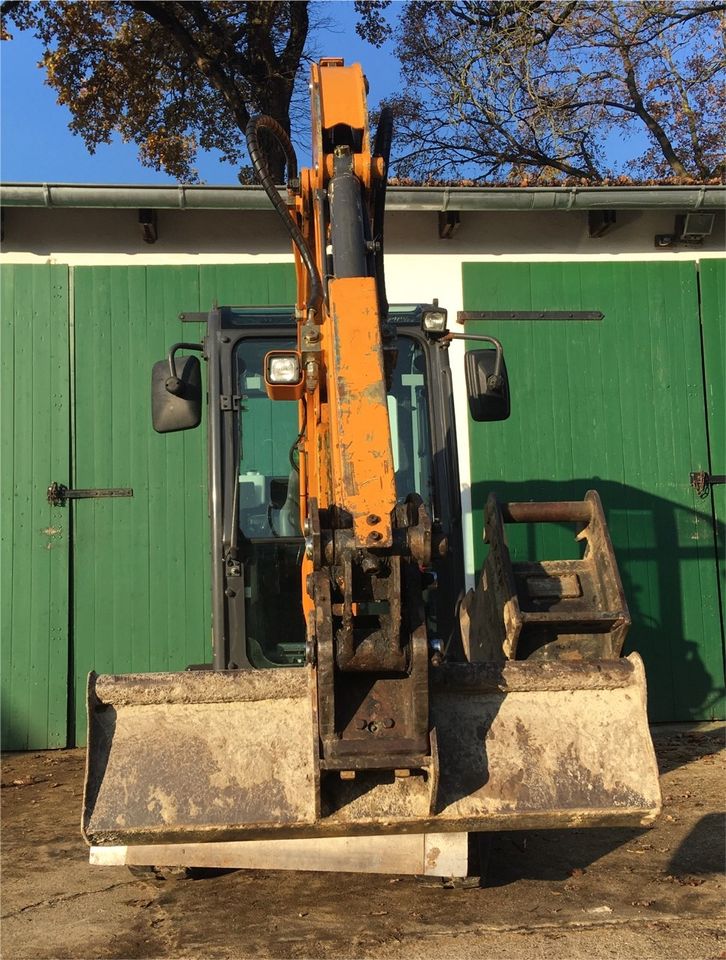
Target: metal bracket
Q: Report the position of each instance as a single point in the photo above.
(229, 402)
(149, 225)
(599, 222)
(449, 221)
(701, 481)
(463, 315)
(59, 494)
(190, 316)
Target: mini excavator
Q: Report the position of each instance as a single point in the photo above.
(357, 690)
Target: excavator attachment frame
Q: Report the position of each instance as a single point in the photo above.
(550, 609)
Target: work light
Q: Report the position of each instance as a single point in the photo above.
(433, 321)
(283, 368)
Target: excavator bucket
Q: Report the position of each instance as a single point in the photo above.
(203, 756)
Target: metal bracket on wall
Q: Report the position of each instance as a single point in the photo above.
(190, 316)
(59, 494)
(449, 221)
(464, 315)
(149, 225)
(599, 222)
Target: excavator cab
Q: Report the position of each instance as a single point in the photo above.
(356, 689)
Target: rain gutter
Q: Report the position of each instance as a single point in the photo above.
(399, 198)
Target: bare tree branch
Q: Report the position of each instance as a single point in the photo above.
(513, 85)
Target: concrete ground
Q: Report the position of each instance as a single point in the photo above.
(590, 894)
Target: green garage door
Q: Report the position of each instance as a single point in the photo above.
(34, 411)
(617, 405)
(712, 277)
(141, 564)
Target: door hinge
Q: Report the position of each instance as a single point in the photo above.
(59, 494)
(229, 402)
(701, 481)
(464, 315)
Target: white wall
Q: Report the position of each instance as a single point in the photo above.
(65, 235)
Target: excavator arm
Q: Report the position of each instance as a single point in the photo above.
(366, 553)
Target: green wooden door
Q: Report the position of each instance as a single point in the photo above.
(141, 565)
(617, 405)
(34, 409)
(712, 276)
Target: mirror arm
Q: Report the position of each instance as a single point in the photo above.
(497, 375)
(173, 383)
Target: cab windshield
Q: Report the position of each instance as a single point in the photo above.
(268, 511)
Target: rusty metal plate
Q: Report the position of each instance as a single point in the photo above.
(520, 746)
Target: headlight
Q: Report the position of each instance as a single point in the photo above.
(283, 368)
(433, 321)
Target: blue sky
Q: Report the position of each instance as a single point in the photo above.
(37, 146)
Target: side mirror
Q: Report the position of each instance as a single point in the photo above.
(176, 400)
(487, 387)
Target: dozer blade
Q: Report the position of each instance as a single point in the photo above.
(212, 756)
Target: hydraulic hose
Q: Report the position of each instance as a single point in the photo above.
(263, 175)
(381, 148)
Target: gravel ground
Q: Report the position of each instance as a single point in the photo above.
(591, 894)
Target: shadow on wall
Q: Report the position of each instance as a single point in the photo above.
(55, 231)
(666, 554)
